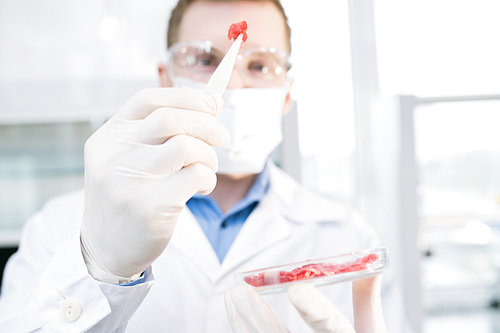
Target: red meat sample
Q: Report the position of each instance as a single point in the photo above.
(309, 271)
(236, 29)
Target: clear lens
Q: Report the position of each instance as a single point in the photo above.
(265, 67)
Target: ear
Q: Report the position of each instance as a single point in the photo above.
(288, 100)
(165, 80)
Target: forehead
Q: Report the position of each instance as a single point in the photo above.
(210, 20)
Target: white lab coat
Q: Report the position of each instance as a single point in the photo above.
(186, 293)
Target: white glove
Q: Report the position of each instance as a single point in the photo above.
(248, 313)
(140, 169)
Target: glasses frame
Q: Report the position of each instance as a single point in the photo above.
(208, 45)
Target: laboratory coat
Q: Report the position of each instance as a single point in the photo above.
(47, 287)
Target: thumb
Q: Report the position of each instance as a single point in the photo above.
(367, 306)
(317, 310)
(237, 324)
(248, 312)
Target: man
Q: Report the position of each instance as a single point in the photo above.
(86, 260)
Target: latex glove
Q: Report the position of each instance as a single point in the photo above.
(140, 169)
(248, 313)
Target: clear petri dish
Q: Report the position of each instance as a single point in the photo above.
(323, 271)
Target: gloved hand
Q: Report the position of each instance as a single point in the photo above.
(249, 313)
(140, 169)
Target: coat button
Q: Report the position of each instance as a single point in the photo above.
(71, 309)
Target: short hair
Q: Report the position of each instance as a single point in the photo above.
(182, 5)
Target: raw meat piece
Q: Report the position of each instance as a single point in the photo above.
(309, 271)
(236, 29)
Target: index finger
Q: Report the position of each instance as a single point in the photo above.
(148, 100)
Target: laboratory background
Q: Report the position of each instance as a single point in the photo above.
(397, 113)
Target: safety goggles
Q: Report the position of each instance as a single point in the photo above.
(197, 60)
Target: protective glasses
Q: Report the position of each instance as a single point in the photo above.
(263, 67)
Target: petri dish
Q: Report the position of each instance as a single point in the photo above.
(318, 272)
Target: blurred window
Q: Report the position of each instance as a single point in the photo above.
(450, 48)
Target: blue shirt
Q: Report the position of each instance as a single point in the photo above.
(221, 228)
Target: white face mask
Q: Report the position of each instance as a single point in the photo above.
(253, 118)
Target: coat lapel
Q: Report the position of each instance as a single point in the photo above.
(190, 239)
(264, 228)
